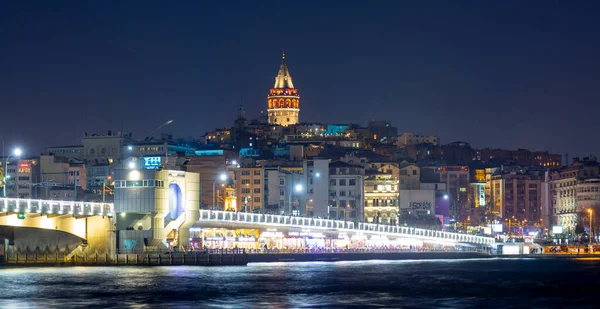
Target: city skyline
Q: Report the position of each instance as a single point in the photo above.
(520, 78)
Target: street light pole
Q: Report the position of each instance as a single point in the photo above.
(290, 202)
(590, 211)
(222, 177)
(17, 152)
(296, 188)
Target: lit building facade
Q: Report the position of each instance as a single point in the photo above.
(517, 196)
(72, 152)
(248, 183)
(381, 198)
(211, 165)
(283, 99)
(346, 198)
(22, 177)
(407, 139)
(456, 179)
(154, 209)
(569, 194)
(410, 177)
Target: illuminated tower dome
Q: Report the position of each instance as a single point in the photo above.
(284, 102)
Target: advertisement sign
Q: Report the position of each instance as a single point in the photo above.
(306, 234)
(557, 229)
(270, 234)
(152, 163)
(497, 228)
(417, 202)
(421, 207)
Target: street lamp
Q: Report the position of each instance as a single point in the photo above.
(222, 177)
(16, 153)
(298, 188)
(590, 211)
(109, 178)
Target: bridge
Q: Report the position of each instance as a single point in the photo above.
(94, 224)
(42, 226)
(52, 208)
(255, 221)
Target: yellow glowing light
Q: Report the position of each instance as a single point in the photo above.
(12, 220)
(79, 228)
(46, 223)
(134, 175)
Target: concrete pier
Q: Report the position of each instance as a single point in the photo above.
(360, 256)
(198, 258)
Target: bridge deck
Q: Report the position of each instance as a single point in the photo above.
(208, 216)
(51, 207)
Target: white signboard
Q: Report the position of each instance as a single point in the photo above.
(487, 230)
(497, 228)
(417, 202)
(557, 229)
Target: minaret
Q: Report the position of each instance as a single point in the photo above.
(284, 102)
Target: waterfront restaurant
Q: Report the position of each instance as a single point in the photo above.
(217, 238)
(272, 238)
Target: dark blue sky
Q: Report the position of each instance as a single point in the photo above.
(493, 73)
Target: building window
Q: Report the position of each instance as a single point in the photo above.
(136, 183)
(257, 181)
(352, 182)
(256, 190)
(414, 172)
(245, 190)
(257, 173)
(245, 181)
(281, 192)
(342, 193)
(281, 181)
(245, 173)
(332, 182)
(342, 182)
(257, 199)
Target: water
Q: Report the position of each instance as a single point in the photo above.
(485, 283)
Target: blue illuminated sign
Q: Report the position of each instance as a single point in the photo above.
(152, 163)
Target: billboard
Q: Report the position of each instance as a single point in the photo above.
(557, 229)
(487, 230)
(497, 228)
(152, 163)
(417, 202)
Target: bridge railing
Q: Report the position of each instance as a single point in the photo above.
(52, 207)
(273, 219)
(303, 222)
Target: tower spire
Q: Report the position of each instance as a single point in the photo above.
(283, 98)
(283, 79)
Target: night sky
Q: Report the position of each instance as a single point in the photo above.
(511, 74)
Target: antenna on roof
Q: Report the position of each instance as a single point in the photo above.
(149, 135)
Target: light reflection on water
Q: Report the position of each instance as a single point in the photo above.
(490, 283)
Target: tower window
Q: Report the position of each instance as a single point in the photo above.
(288, 119)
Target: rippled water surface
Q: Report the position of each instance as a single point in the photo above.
(486, 283)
